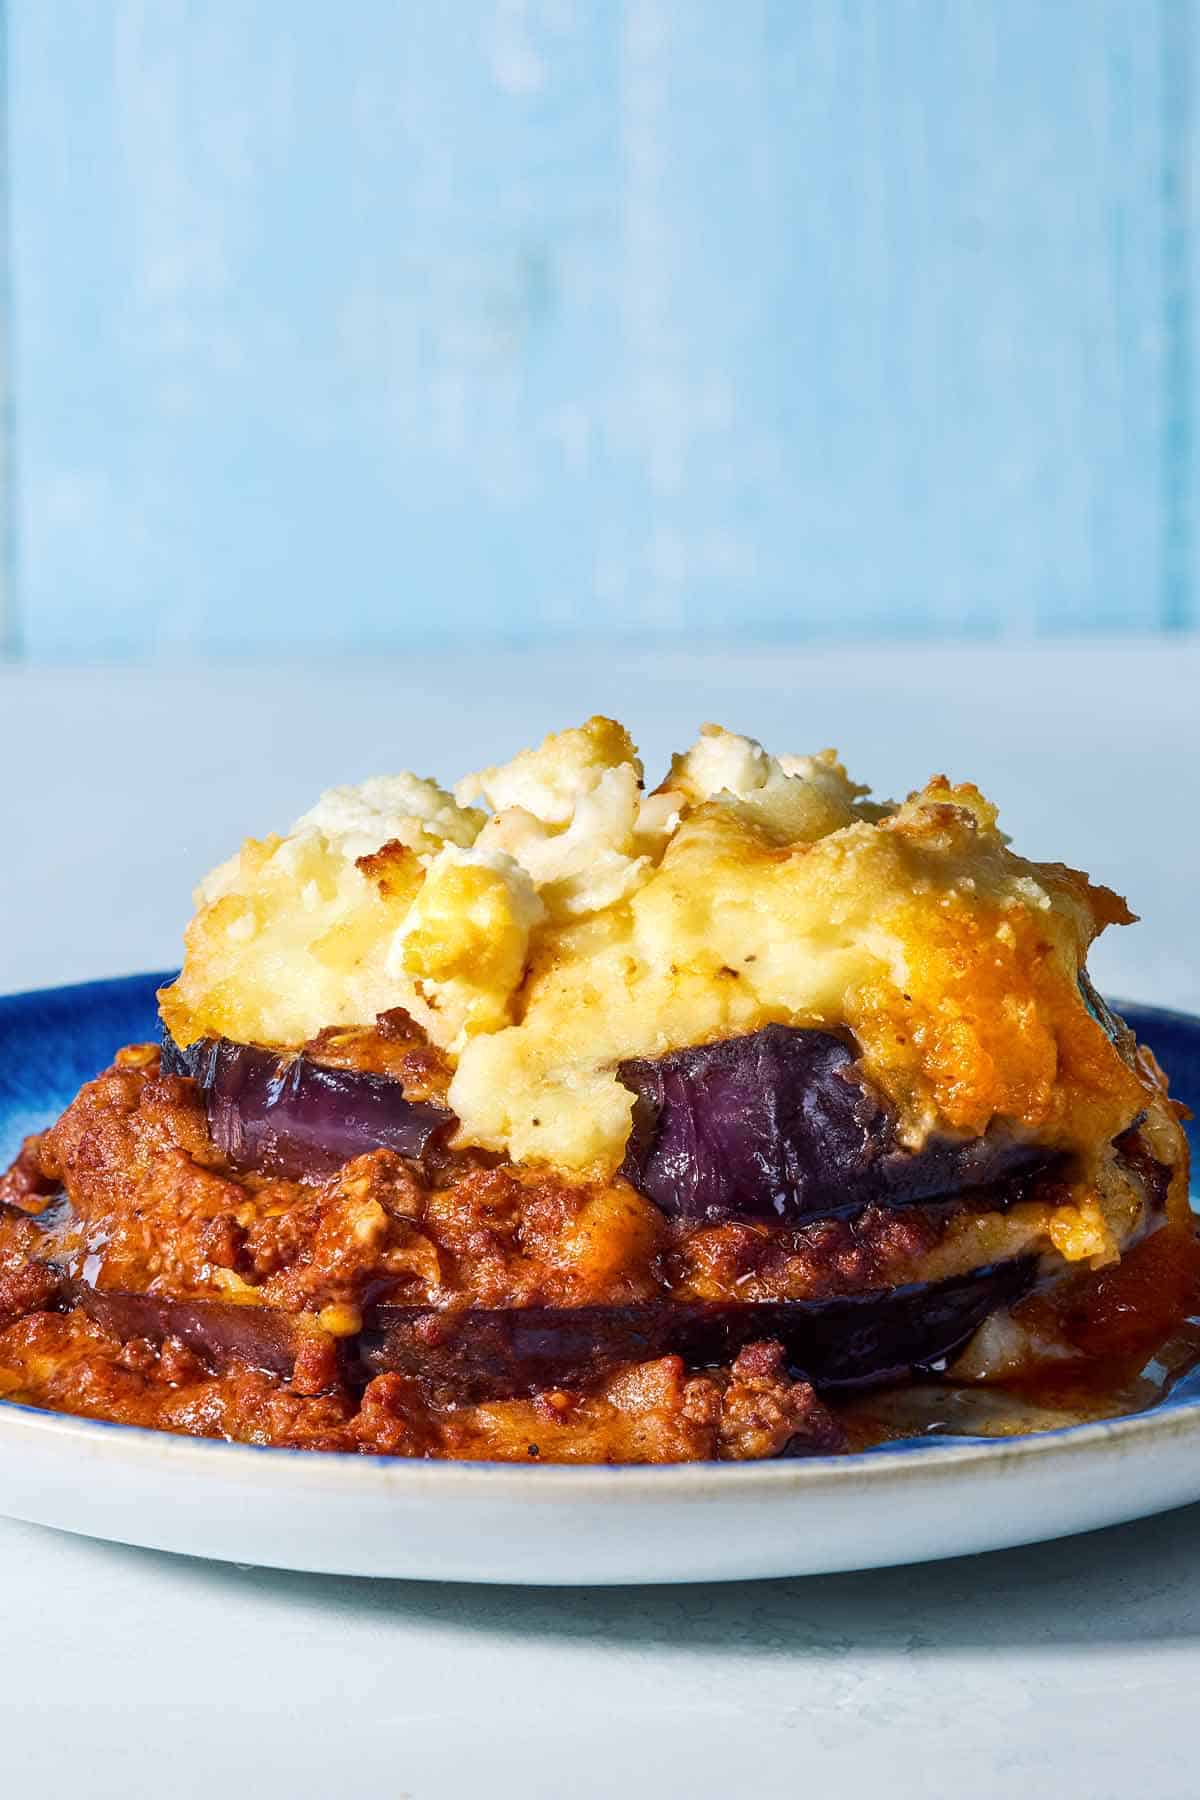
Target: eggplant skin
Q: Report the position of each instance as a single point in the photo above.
(288, 1115)
(835, 1344)
(214, 1329)
(780, 1125)
(490, 1354)
(176, 1061)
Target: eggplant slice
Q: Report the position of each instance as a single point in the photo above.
(842, 1343)
(780, 1125)
(481, 1354)
(288, 1115)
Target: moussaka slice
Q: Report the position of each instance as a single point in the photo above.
(555, 1119)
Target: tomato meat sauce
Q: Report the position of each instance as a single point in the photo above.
(146, 1280)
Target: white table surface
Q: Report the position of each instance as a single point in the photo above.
(1065, 1669)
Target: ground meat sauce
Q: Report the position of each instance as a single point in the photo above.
(155, 1209)
(127, 1196)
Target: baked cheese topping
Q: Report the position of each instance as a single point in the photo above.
(551, 917)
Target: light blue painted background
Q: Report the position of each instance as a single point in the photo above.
(367, 325)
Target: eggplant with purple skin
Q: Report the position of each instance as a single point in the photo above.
(851, 1341)
(216, 1330)
(291, 1116)
(780, 1125)
(486, 1354)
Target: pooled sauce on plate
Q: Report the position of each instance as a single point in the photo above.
(1136, 1328)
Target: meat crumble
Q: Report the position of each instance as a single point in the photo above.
(127, 1194)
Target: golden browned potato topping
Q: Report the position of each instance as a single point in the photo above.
(551, 917)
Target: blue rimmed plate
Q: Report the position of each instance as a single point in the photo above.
(912, 1502)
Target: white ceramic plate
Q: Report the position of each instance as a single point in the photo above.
(491, 1523)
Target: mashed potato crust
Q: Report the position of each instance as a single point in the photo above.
(584, 920)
